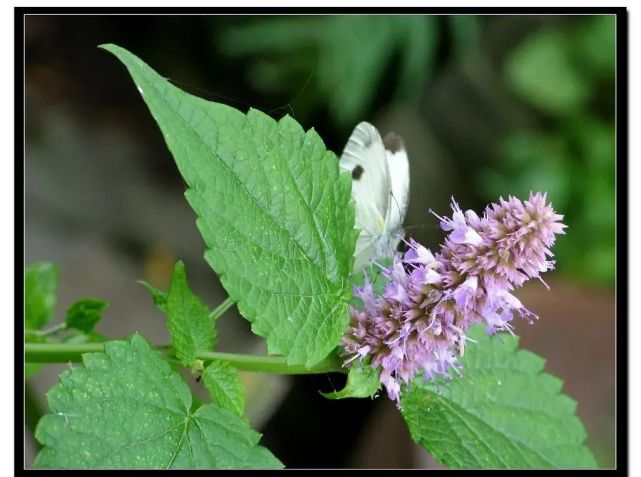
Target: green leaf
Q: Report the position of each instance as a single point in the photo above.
(126, 408)
(275, 214)
(158, 296)
(40, 286)
(225, 387)
(362, 381)
(84, 314)
(190, 323)
(540, 70)
(503, 413)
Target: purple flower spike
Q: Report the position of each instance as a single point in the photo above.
(420, 322)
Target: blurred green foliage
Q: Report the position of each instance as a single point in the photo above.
(350, 67)
(567, 77)
(344, 59)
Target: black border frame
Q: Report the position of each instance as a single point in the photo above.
(621, 164)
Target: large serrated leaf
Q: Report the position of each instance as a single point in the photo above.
(503, 413)
(274, 212)
(126, 408)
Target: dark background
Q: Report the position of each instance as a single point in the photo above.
(488, 106)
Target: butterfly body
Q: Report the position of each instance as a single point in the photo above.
(380, 190)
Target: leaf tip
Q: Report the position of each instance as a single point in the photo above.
(180, 265)
(137, 341)
(110, 47)
(124, 55)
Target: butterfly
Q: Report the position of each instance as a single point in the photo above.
(380, 190)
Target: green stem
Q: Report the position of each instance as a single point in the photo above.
(222, 308)
(66, 352)
(50, 331)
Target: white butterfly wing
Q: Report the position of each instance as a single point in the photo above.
(399, 172)
(364, 157)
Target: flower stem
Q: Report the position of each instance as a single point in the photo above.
(66, 352)
(222, 308)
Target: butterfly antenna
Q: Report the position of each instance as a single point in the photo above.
(397, 204)
(289, 104)
(419, 226)
(210, 93)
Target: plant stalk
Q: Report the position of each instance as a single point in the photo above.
(222, 308)
(66, 352)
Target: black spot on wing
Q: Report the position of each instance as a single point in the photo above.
(357, 172)
(393, 142)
